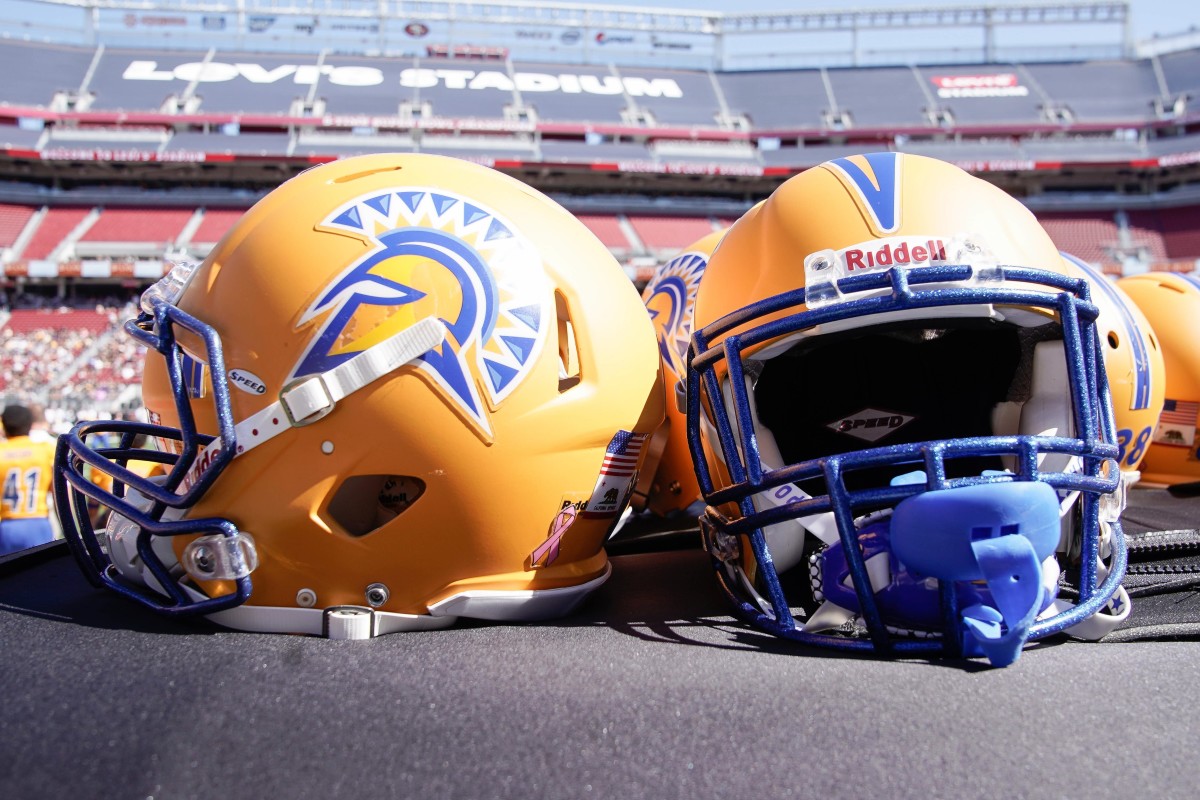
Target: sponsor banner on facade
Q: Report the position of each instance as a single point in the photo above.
(476, 124)
(1179, 159)
(1002, 165)
(400, 35)
(162, 21)
(996, 84)
(748, 170)
(100, 268)
(119, 154)
(95, 268)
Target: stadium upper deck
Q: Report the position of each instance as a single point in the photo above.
(102, 126)
(168, 106)
(594, 33)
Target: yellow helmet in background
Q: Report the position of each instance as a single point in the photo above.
(1134, 364)
(669, 485)
(1171, 302)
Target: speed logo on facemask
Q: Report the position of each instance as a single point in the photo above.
(669, 297)
(434, 253)
(873, 180)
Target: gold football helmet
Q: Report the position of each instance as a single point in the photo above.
(1134, 365)
(669, 483)
(402, 389)
(905, 435)
(1171, 302)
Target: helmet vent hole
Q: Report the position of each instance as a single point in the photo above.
(365, 503)
(568, 347)
(1114, 341)
(364, 174)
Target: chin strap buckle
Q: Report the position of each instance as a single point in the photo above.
(306, 400)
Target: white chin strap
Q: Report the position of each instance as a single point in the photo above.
(313, 397)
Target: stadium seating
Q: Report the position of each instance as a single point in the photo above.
(13, 219)
(59, 69)
(133, 232)
(666, 235)
(213, 225)
(43, 350)
(608, 230)
(880, 97)
(1086, 235)
(1181, 73)
(1178, 229)
(1100, 91)
(319, 106)
(56, 226)
(1092, 123)
(1156, 236)
(23, 321)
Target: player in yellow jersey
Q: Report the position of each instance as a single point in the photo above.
(26, 468)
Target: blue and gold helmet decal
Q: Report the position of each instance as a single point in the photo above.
(434, 253)
(670, 297)
(873, 181)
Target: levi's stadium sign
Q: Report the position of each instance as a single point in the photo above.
(351, 76)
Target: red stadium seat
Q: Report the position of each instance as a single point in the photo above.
(161, 225)
(56, 226)
(13, 219)
(1092, 236)
(607, 229)
(215, 223)
(670, 233)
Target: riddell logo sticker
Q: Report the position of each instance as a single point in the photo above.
(870, 424)
(897, 251)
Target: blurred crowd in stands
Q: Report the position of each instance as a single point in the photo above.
(66, 363)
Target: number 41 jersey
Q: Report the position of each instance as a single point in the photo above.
(27, 468)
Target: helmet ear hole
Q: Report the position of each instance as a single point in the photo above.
(365, 503)
(1114, 341)
(568, 347)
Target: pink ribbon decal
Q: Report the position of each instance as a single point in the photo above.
(549, 548)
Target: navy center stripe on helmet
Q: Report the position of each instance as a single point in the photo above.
(1141, 360)
(880, 190)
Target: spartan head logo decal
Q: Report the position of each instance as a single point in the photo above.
(669, 297)
(433, 253)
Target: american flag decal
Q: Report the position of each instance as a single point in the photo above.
(621, 457)
(618, 472)
(1177, 423)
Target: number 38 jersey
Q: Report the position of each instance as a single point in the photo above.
(26, 466)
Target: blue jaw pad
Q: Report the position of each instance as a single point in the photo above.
(998, 533)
